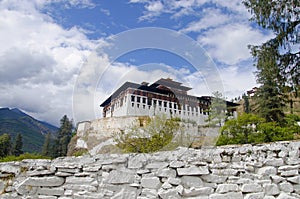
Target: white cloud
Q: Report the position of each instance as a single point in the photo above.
(228, 44)
(211, 18)
(39, 60)
(155, 6)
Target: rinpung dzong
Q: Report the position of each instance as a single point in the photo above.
(164, 96)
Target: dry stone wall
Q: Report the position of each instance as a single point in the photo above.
(265, 171)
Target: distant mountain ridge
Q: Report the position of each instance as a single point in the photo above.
(14, 121)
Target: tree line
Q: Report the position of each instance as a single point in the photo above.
(278, 73)
(54, 145)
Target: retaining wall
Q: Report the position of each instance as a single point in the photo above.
(233, 172)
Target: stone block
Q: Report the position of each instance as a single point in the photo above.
(271, 189)
(251, 188)
(177, 164)
(157, 165)
(286, 187)
(267, 171)
(230, 195)
(166, 172)
(274, 162)
(214, 178)
(285, 196)
(167, 194)
(191, 181)
(52, 181)
(197, 191)
(151, 182)
(79, 180)
(224, 188)
(254, 196)
(289, 173)
(137, 161)
(57, 191)
(125, 193)
(277, 179)
(174, 181)
(294, 180)
(193, 170)
(120, 177)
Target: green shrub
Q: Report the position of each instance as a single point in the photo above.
(157, 134)
(249, 128)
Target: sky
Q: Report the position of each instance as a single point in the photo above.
(62, 57)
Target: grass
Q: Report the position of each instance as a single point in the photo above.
(22, 157)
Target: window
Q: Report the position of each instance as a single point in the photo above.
(144, 100)
(159, 103)
(138, 99)
(165, 104)
(132, 98)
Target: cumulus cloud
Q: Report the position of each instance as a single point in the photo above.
(228, 44)
(39, 60)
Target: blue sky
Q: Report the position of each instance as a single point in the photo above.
(48, 46)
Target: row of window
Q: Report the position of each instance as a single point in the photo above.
(165, 110)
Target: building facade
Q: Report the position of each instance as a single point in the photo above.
(164, 96)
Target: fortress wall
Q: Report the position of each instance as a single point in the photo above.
(265, 171)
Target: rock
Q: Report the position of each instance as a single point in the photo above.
(151, 182)
(285, 196)
(286, 187)
(120, 177)
(52, 181)
(254, 196)
(137, 161)
(214, 178)
(166, 172)
(267, 171)
(251, 188)
(230, 195)
(197, 191)
(224, 188)
(271, 189)
(191, 181)
(125, 193)
(177, 164)
(168, 194)
(193, 170)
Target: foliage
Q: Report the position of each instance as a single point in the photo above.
(22, 157)
(80, 152)
(249, 128)
(269, 98)
(60, 147)
(5, 145)
(154, 136)
(283, 18)
(17, 148)
(246, 103)
(277, 60)
(46, 150)
(217, 109)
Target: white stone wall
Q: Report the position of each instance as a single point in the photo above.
(265, 171)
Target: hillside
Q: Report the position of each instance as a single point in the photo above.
(14, 121)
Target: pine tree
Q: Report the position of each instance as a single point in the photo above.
(46, 151)
(17, 149)
(269, 97)
(63, 137)
(246, 103)
(283, 18)
(217, 110)
(5, 145)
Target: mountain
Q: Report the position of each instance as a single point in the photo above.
(14, 121)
